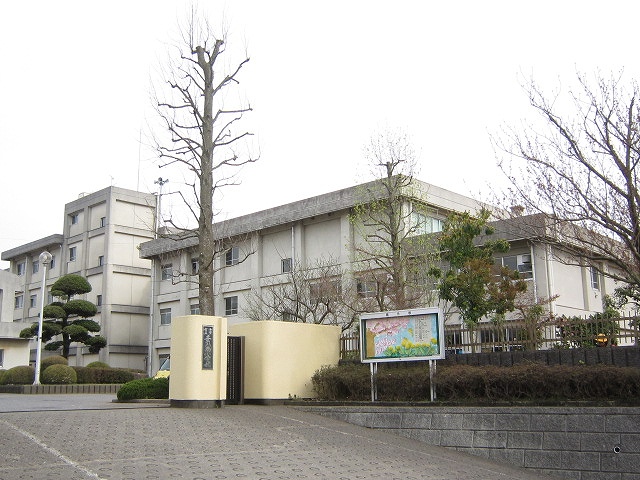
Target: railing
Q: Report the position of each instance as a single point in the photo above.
(509, 335)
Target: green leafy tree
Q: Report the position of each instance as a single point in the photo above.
(472, 283)
(69, 318)
(598, 330)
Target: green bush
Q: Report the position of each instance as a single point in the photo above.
(21, 375)
(52, 360)
(59, 375)
(98, 365)
(481, 383)
(103, 375)
(144, 388)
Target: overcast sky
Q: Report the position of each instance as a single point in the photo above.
(75, 82)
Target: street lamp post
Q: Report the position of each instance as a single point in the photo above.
(45, 258)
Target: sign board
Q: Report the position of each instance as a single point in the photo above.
(207, 347)
(402, 335)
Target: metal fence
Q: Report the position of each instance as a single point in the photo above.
(514, 335)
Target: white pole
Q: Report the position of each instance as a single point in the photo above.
(45, 258)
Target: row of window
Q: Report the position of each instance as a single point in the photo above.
(230, 308)
(231, 258)
(33, 301)
(35, 266)
(73, 255)
(74, 219)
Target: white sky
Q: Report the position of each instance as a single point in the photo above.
(75, 79)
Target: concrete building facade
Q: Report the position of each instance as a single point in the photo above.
(318, 228)
(108, 237)
(100, 239)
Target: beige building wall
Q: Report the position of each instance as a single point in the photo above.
(190, 378)
(100, 239)
(281, 357)
(14, 352)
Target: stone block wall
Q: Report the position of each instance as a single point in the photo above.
(582, 443)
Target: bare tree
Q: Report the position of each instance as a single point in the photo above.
(392, 253)
(204, 136)
(579, 173)
(320, 294)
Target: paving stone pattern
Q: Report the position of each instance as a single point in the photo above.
(141, 441)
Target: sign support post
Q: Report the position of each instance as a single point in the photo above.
(374, 381)
(402, 336)
(432, 385)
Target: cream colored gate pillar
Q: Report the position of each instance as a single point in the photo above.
(198, 362)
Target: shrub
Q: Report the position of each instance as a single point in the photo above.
(52, 360)
(398, 382)
(346, 382)
(144, 388)
(21, 375)
(98, 365)
(59, 375)
(103, 375)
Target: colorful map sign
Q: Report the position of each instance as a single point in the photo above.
(402, 335)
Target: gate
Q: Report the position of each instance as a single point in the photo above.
(235, 370)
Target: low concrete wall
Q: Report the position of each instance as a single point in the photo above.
(583, 443)
(77, 388)
(281, 357)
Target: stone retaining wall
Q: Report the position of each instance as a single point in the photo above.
(582, 443)
(78, 388)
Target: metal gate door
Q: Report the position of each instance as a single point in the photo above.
(235, 370)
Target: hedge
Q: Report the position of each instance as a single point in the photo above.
(492, 383)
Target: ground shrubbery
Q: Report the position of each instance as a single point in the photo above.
(52, 360)
(64, 374)
(397, 382)
(58, 374)
(103, 375)
(144, 388)
(98, 365)
(21, 375)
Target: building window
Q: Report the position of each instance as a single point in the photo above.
(73, 252)
(20, 268)
(100, 260)
(165, 316)
(52, 263)
(19, 301)
(35, 266)
(75, 217)
(520, 263)
(422, 224)
(103, 221)
(232, 256)
(166, 271)
(366, 288)
(195, 309)
(1, 357)
(287, 265)
(33, 301)
(595, 278)
(231, 305)
(195, 266)
(98, 300)
(325, 291)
